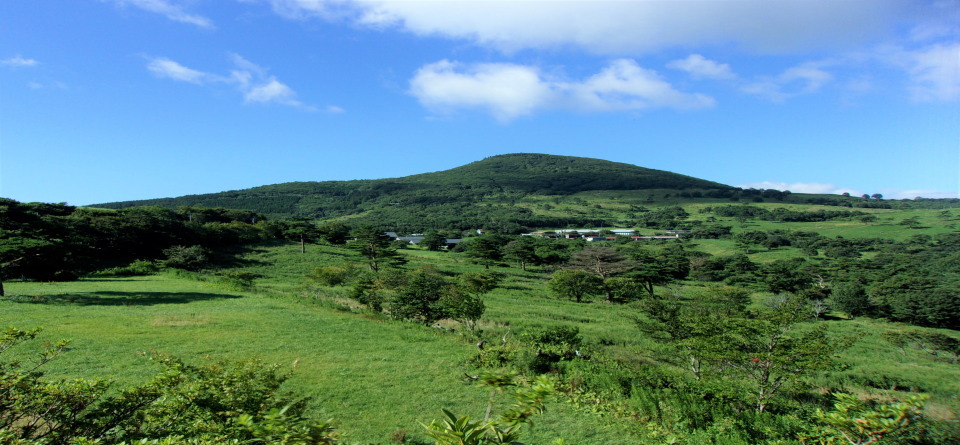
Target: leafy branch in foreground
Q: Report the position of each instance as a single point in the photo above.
(212, 404)
(505, 428)
(854, 422)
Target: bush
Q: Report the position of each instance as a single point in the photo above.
(136, 268)
(226, 402)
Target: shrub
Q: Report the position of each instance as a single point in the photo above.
(136, 268)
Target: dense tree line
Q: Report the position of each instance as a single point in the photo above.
(59, 242)
(779, 214)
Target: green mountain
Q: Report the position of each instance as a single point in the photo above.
(472, 195)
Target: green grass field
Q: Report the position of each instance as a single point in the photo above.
(375, 376)
(372, 377)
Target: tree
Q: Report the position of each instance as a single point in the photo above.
(463, 306)
(785, 276)
(574, 284)
(773, 355)
(523, 250)
(189, 258)
(485, 249)
(433, 241)
(658, 269)
(695, 330)
(376, 247)
(603, 262)
(419, 299)
(851, 298)
(624, 289)
(876, 196)
(302, 230)
(333, 232)
(480, 282)
(505, 429)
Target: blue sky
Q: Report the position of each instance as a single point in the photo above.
(110, 100)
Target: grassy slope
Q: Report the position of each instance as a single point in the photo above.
(376, 377)
(372, 377)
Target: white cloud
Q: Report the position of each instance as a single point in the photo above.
(250, 79)
(163, 67)
(508, 91)
(795, 81)
(18, 61)
(802, 187)
(622, 26)
(169, 10)
(910, 194)
(702, 68)
(935, 72)
(54, 85)
(624, 85)
(830, 189)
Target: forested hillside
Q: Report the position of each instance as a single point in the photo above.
(444, 199)
(510, 193)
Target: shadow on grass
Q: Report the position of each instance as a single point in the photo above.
(118, 298)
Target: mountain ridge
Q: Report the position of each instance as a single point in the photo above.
(458, 197)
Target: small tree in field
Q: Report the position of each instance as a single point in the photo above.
(419, 299)
(574, 284)
(376, 247)
(850, 297)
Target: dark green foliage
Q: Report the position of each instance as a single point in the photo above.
(485, 249)
(744, 212)
(656, 269)
(433, 240)
(462, 305)
(476, 195)
(850, 298)
(786, 276)
(376, 248)
(331, 275)
(189, 258)
(665, 218)
(59, 242)
(333, 232)
(136, 268)
(419, 298)
(575, 284)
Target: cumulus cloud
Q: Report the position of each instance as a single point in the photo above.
(700, 67)
(250, 79)
(509, 91)
(621, 26)
(17, 61)
(168, 9)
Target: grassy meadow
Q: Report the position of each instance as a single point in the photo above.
(376, 377)
(373, 377)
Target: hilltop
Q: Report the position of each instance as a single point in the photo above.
(445, 197)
